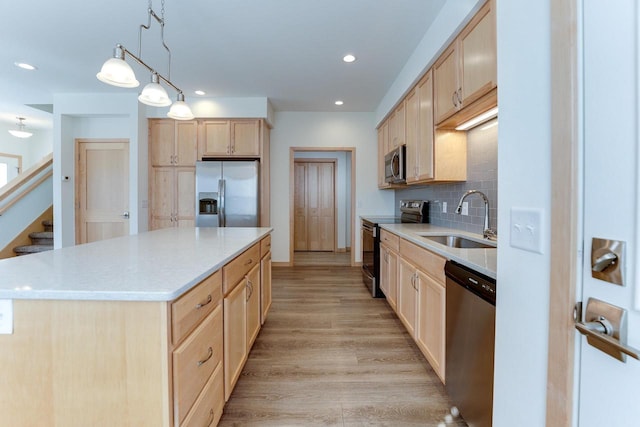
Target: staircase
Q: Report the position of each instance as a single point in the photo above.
(40, 241)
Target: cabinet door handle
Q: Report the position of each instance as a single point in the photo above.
(249, 286)
(211, 417)
(249, 262)
(454, 99)
(459, 94)
(202, 304)
(206, 359)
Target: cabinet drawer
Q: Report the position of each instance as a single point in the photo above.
(427, 261)
(233, 272)
(389, 239)
(207, 410)
(189, 310)
(194, 362)
(265, 246)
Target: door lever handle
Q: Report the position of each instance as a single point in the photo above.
(598, 330)
(605, 326)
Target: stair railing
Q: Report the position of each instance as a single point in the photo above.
(24, 183)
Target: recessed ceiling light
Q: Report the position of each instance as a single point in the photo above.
(349, 58)
(25, 66)
(200, 92)
(339, 102)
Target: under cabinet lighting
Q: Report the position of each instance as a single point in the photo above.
(479, 119)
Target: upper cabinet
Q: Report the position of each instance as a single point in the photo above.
(230, 138)
(467, 70)
(174, 143)
(419, 131)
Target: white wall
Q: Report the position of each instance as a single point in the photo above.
(343, 193)
(300, 129)
(524, 162)
(31, 149)
(97, 116)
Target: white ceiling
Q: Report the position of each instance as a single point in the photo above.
(287, 50)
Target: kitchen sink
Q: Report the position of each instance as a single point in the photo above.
(454, 241)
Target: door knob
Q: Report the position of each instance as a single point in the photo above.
(125, 215)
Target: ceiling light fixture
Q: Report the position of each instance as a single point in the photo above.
(200, 92)
(20, 132)
(349, 58)
(339, 103)
(479, 119)
(117, 72)
(25, 66)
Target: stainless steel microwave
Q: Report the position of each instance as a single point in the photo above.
(395, 166)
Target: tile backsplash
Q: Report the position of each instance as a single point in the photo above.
(482, 174)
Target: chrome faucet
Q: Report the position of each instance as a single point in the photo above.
(487, 233)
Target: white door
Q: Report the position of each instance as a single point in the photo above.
(608, 388)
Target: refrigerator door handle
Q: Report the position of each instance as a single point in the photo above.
(221, 199)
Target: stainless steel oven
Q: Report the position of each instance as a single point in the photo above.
(415, 211)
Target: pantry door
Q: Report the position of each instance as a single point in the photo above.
(102, 189)
(314, 205)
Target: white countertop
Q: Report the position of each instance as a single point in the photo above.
(159, 265)
(481, 260)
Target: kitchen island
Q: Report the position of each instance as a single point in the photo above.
(127, 331)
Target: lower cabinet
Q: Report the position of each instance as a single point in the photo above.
(407, 296)
(389, 275)
(421, 295)
(235, 337)
(246, 280)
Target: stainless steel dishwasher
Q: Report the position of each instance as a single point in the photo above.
(470, 332)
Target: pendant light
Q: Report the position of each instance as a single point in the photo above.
(117, 72)
(153, 94)
(180, 110)
(20, 132)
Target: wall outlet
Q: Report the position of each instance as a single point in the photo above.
(526, 229)
(444, 207)
(465, 208)
(6, 316)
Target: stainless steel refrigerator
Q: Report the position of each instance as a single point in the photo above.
(227, 193)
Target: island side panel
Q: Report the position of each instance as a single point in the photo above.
(80, 363)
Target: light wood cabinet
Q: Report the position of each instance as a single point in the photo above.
(230, 138)
(383, 144)
(467, 69)
(431, 323)
(426, 272)
(242, 286)
(407, 295)
(420, 147)
(172, 197)
(397, 127)
(173, 143)
(389, 275)
(265, 278)
(180, 144)
(254, 310)
(235, 337)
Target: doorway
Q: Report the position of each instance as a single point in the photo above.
(343, 161)
(102, 189)
(314, 207)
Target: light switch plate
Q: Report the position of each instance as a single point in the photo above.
(6, 316)
(526, 229)
(465, 208)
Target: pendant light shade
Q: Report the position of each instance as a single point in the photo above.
(20, 132)
(153, 94)
(180, 110)
(116, 72)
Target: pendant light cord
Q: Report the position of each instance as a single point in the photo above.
(160, 20)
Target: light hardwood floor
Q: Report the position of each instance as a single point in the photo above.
(330, 355)
(311, 258)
